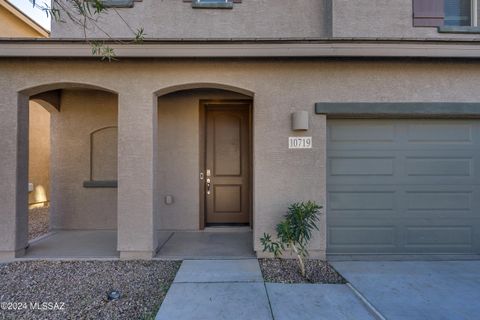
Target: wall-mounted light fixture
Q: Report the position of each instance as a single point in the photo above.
(168, 199)
(300, 121)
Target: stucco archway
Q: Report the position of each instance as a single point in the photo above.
(41, 88)
(76, 109)
(203, 85)
(183, 203)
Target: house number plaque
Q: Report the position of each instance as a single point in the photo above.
(300, 142)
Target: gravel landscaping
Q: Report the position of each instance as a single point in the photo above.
(38, 220)
(81, 287)
(288, 271)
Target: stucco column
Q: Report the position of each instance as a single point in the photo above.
(13, 175)
(137, 157)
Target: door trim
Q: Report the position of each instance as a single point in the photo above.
(204, 104)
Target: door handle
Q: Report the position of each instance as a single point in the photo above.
(208, 186)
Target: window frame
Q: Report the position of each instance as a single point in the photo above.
(473, 16)
(212, 1)
(221, 4)
(474, 13)
(431, 13)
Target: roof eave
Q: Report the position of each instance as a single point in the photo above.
(246, 48)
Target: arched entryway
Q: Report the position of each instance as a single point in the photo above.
(205, 169)
(82, 207)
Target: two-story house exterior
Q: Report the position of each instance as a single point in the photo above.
(231, 110)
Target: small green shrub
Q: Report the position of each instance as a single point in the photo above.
(294, 232)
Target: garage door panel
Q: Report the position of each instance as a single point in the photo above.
(438, 200)
(362, 154)
(403, 168)
(362, 166)
(399, 179)
(380, 236)
(439, 131)
(361, 200)
(439, 236)
(357, 131)
(414, 135)
(369, 167)
(432, 202)
(439, 167)
(415, 191)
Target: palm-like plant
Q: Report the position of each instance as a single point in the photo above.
(294, 232)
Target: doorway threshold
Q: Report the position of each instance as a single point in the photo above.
(227, 229)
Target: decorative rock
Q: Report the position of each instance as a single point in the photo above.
(79, 287)
(288, 271)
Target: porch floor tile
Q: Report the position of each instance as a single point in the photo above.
(192, 271)
(208, 245)
(75, 244)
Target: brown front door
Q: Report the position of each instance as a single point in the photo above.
(227, 160)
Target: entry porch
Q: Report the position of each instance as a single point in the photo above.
(213, 243)
(126, 156)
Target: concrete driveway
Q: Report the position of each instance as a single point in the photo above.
(417, 290)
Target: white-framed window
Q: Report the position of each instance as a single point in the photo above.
(462, 13)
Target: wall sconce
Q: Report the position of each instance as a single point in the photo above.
(168, 200)
(300, 121)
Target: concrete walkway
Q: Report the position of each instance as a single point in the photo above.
(234, 289)
(437, 290)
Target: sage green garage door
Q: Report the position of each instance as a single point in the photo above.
(403, 186)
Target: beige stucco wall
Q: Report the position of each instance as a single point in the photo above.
(39, 154)
(381, 19)
(281, 176)
(73, 206)
(177, 19)
(178, 156)
(13, 27)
